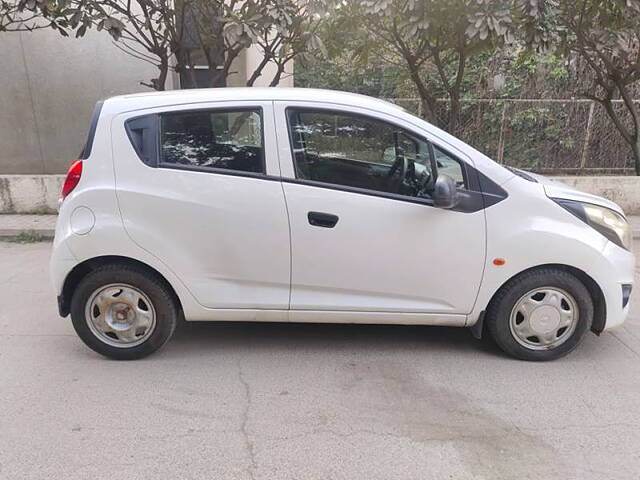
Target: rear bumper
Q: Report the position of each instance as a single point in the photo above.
(61, 264)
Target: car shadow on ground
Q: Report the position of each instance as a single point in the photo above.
(265, 336)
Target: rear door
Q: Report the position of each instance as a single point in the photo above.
(365, 235)
(198, 188)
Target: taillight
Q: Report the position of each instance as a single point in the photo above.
(73, 178)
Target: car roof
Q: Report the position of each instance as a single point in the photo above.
(136, 101)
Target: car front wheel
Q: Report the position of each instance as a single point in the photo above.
(541, 314)
(123, 311)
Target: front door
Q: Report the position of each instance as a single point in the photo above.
(364, 233)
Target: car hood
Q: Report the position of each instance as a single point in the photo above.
(556, 189)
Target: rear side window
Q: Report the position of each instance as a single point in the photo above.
(213, 139)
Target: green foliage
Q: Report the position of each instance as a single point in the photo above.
(27, 15)
(605, 36)
(435, 42)
(429, 49)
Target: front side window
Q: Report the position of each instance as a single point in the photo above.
(217, 139)
(448, 165)
(352, 150)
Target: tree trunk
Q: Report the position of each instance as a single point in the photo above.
(454, 93)
(218, 78)
(635, 148)
(191, 71)
(161, 81)
(277, 76)
(632, 137)
(427, 102)
(258, 71)
(454, 113)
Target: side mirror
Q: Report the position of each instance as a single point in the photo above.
(445, 192)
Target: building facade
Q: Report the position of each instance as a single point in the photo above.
(49, 85)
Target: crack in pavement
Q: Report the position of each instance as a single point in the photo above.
(243, 426)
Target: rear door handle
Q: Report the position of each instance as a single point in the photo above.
(319, 219)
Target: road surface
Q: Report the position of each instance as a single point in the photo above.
(284, 401)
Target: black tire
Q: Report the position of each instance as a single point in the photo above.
(499, 312)
(155, 288)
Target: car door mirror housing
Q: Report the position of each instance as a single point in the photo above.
(445, 192)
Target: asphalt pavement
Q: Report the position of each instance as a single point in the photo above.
(288, 401)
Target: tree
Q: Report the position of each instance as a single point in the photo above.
(287, 29)
(27, 15)
(337, 69)
(605, 36)
(433, 40)
(149, 30)
(177, 35)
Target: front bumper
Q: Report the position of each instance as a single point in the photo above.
(614, 274)
(63, 306)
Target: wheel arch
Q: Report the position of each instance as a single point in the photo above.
(597, 296)
(78, 272)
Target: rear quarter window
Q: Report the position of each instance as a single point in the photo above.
(86, 150)
(143, 134)
(200, 139)
(213, 139)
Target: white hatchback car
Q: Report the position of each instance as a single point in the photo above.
(302, 205)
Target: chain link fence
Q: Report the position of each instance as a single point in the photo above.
(548, 136)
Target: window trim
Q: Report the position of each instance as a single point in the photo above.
(219, 171)
(358, 190)
(464, 166)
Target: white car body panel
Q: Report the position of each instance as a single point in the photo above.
(240, 248)
(547, 235)
(383, 254)
(226, 237)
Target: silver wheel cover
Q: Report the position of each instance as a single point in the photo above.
(544, 318)
(120, 315)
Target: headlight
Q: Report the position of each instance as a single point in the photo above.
(609, 223)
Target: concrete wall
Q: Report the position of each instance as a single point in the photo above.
(48, 87)
(624, 190)
(39, 193)
(30, 193)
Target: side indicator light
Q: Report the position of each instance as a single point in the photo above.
(498, 262)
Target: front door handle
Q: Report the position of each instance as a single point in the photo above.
(319, 219)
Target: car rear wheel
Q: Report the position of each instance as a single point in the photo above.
(541, 314)
(123, 311)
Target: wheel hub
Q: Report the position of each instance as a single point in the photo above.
(120, 315)
(544, 319)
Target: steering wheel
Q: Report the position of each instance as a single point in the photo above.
(400, 165)
(429, 182)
